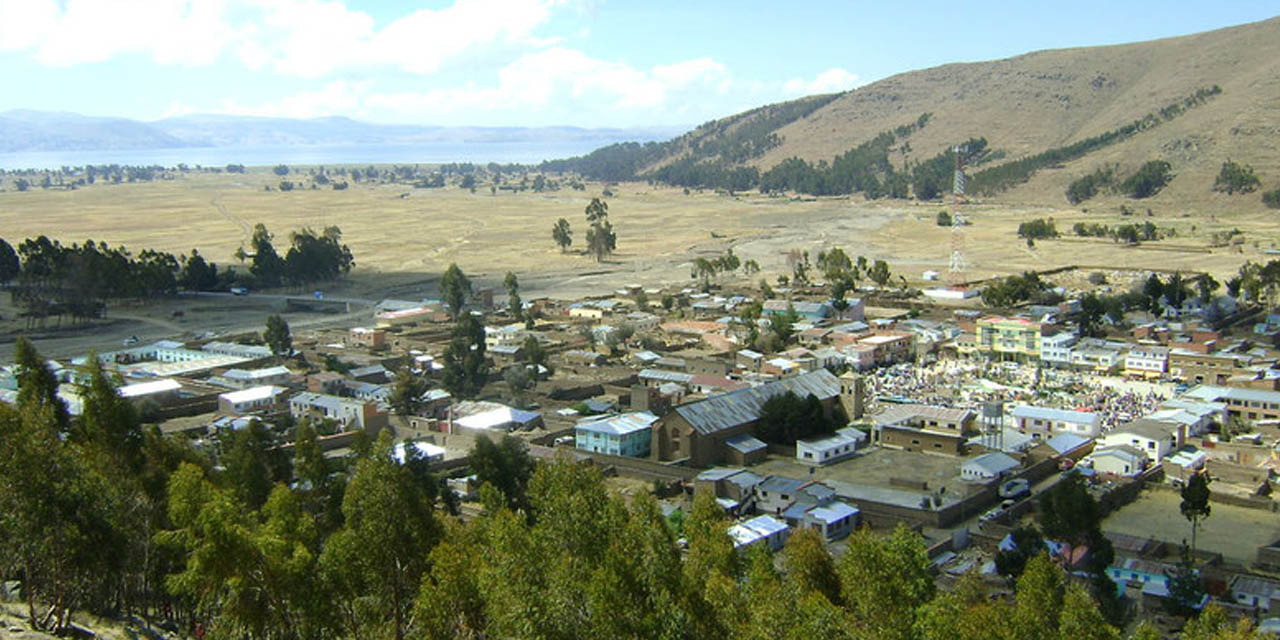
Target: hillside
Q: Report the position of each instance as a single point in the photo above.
(1033, 102)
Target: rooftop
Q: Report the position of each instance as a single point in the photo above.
(994, 463)
(1058, 415)
(832, 512)
(137, 390)
(252, 394)
(620, 425)
(731, 409)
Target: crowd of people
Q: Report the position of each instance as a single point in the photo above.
(971, 384)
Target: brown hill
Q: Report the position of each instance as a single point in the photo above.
(1033, 102)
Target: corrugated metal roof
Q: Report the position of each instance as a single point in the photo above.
(832, 512)
(1060, 415)
(729, 410)
(745, 443)
(621, 425)
(994, 463)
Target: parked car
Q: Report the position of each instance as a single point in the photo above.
(130, 341)
(991, 514)
(239, 291)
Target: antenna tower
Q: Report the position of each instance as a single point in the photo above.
(956, 269)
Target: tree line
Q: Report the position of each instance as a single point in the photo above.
(705, 157)
(49, 278)
(1002, 177)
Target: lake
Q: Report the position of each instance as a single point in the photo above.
(521, 152)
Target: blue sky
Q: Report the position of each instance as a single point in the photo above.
(590, 63)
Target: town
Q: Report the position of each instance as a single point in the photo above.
(793, 410)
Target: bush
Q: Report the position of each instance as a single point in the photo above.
(1087, 187)
(944, 219)
(1149, 180)
(1272, 199)
(1038, 228)
(1235, 178)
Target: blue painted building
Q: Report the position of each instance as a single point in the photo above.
(622, 435)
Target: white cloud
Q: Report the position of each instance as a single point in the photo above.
(565, 81)
(829, 81)
(188, 32)
(306, 38)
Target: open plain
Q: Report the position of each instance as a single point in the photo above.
(403, 238)
(403, 234)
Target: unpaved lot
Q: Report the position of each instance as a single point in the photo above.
(1235, 532)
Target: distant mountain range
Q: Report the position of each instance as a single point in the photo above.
(27, 130)
(1215, 96)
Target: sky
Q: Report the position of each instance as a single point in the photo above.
(586, 63)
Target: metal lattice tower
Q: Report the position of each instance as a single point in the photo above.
(956, 269)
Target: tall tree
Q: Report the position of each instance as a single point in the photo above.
(562, 234)
(1195, 502)
(197, 274)
(1068, 513)
(885, 581)
(37, 384)
(268, 267)
(514, 304)
(278, 337)
(253, 463)
(506, 466)
(55, 521)
(601, 239)
(809, 566)
(455, 288)
(407, 392)
(380, 554)
(1205, 286)
(9, 265)
(879, 273)
(466, 367)
(107, 420)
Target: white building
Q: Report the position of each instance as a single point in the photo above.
(153, 390)
(251, 400)
(1147, 362)
(350, 412)
(1044, 423)
(1097, 355)
(1154, 438)
(766, 530)
(988, 467)
(1055, 349)
(1122, 460)
(245, 378)
(826, 450)
(834, 520)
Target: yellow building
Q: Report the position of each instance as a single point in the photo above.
(1015, 339)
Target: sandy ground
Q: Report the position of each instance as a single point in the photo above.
(1235, 532)
(401, 230)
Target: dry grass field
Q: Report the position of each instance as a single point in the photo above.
(403, 237)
